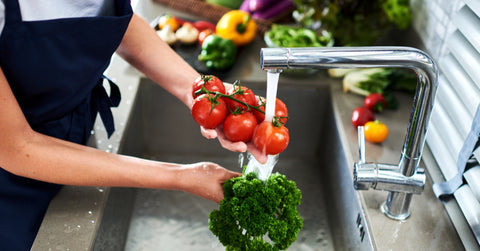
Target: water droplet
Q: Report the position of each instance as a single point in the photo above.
(90, 212)
(92, 221)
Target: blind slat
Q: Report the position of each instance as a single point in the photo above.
(466, 55)
(456, 110)
(473, 178)
(452, 139)
(463, 85)
(474, 6)
(467, 22)
(443, 157)
(470, 208)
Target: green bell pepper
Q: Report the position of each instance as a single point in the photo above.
(218, 53)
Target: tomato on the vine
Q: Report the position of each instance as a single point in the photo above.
(239, 127)
(281, 111)
(243, 94)
(271, 139)
(209, 111)
(211, 83)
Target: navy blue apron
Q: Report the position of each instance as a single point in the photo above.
(55, 69)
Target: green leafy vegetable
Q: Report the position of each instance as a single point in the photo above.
(398, 12)
(289, 36)
(254, 210)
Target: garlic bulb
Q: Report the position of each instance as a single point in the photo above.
(187, 34)
(167, 35)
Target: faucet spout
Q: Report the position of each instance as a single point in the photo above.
(397, 205)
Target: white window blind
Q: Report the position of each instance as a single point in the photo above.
(457, 100)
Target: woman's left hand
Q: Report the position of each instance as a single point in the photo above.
(205, 179)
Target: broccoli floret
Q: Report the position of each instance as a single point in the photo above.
(254, 211)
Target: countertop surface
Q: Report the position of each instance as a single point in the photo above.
(73, 217)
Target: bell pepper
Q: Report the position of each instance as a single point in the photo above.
(218, 53)
(238, 26)
(376, 131)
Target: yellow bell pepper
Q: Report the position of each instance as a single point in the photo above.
(237, 26)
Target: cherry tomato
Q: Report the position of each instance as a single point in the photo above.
(203, 25)
(376, 131)
(208, 111)
(281, 111)
(245, 95)
(271, 139)
(361, 115)
(239, 127)
(168, 20)
(212, 83)
(375, 102)
(204, 34)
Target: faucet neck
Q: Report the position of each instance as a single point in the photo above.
(372, 57)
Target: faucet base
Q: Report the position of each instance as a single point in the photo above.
(399, 217)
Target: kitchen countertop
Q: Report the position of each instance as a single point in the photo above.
(73, 218)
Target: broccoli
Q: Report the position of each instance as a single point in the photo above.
(253, 210)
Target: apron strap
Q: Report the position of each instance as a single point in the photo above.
(102, 103)
(12, 12)
(450, 186)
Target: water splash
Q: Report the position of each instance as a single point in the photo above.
(263, 171)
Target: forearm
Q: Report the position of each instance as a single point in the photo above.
(144, 50)
(52, 160)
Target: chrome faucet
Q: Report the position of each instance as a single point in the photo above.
(401, 180)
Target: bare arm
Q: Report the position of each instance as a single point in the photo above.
(27, 153)
(143, 49)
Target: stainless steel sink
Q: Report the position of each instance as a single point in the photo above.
(162, 129)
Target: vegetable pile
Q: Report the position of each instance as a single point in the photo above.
(253, 209)
(239, 114)
(375, 130)
(379, 80)
(354, 22)
(219, 42)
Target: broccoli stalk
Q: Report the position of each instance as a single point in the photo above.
(254, 211)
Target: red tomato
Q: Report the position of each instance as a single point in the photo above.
(271, 139)
(204, 34)
(361, 115)
(239, 127)
(281, 111)
(212, 83)
(375, 102)
(245, 95)
(203, 25)
(205, 115)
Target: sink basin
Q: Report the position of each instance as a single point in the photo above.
(162, 129)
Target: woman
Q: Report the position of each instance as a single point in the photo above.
(51, 66)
